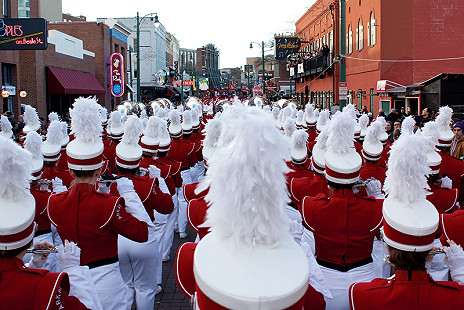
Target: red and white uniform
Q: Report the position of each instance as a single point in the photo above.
(344, 226)
(454, 169)
(189, 192)
(93, 220)
(22, 288)
(302, 187)
(109, 153)
(50, 173)
(299, 170)
(418, 292)
(165, 171)
(452, 226)
(374, 170)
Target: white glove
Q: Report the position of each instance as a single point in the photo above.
(38, 260)
(58, 186)
(69, 255)
(455, 260)
(154, 172)
(104, 187)
(296, 230)
(124, 185)
(446, 182)
(374, 189)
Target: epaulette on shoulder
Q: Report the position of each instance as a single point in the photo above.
(381, 283)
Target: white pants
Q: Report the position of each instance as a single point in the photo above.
(379, 251)
(139, 264)
(110, 287)
(182, 211)
(308, 237)
(438, 270)
(168, 237)
(339, 283)
(201, 170)
(160, 222)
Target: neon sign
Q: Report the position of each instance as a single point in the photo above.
(117, 75)
(23, 34)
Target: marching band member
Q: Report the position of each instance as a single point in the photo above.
(344, 225)
(249, 243)
(115, 131)
(33, 288)
(31, 121)
(300, 165)
(92, 219)
(6, 127)
(140, 263)
(409, 226)
(310, 120)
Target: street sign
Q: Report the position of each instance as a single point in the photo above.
(342, 90)
(186, 83)
(23, 34)
(117, 75)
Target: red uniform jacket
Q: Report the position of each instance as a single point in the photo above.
(181, 151)
(385, 154)
(454, 169)
(299, 171)
(444, 199)
(165, 172)
(93, 220)
(189, 192)
(312, 135)
(310, 146)
(63, 161)
(192, 157)
(197, 136)
(358, 147)
(344, 225)
(109, 153)
(371, 170)
(418, 293)
(50, 173)
(196, 214)
(150, 194)
(186, 281)
(452, 226)
(302, 187)
(41, 218)
(175, 170)
(22, 288)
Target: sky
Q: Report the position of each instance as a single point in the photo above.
(230, 25)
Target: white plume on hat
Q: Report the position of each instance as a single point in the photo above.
(309, 111)
(33, 144)
(187, 121)
(174, 116)
(16, 169)
(323, 119)
(86, 122)
(161, 113)
(212, 133)
(103, 114)
(299, 151)
(321, 139)
(341, 128)
(289, 127)
(247, 192)
(53, 116)
(132, 130)
(430, 131)
(31, 119)
(195, 117)
(363, 123)
(275, 112)
(299, 117)
(163, 129)
(267, 108)
(374, 133)
(350, 110)
(6, 126)
(152, 129)
(64, 133)
(407, 126)
(294, 113)
(444, 118)
(55, 133)
(407, 169)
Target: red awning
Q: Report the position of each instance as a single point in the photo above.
(62, 81)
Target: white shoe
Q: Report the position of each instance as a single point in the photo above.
(182, 235)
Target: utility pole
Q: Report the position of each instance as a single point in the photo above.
(262, 78)
(342, 49)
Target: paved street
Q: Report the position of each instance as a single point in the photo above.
(171, 297)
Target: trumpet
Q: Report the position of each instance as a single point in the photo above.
(437, 251)
(42, 251)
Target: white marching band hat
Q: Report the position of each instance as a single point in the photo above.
(128, 151)
(52, 145)
(33, 144)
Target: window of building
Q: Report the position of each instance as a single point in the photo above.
(24, 9)
(7, 80)
(349, 40)
(371, 31)
(360, 36)
(6, 8)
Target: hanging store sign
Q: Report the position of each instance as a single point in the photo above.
(342, 90)
(160, 77)
(285, 46)
(23, 34)
(203, 84)
(381, 85)
(117, 75)
(186, 83)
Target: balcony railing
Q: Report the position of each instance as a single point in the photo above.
(312, 66)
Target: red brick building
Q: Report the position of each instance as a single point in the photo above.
(394, 41)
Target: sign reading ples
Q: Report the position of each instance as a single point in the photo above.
(23, 34)
(117, 75)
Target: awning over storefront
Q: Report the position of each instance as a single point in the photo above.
(62, 81)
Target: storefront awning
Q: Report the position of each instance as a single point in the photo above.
(62, 81)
